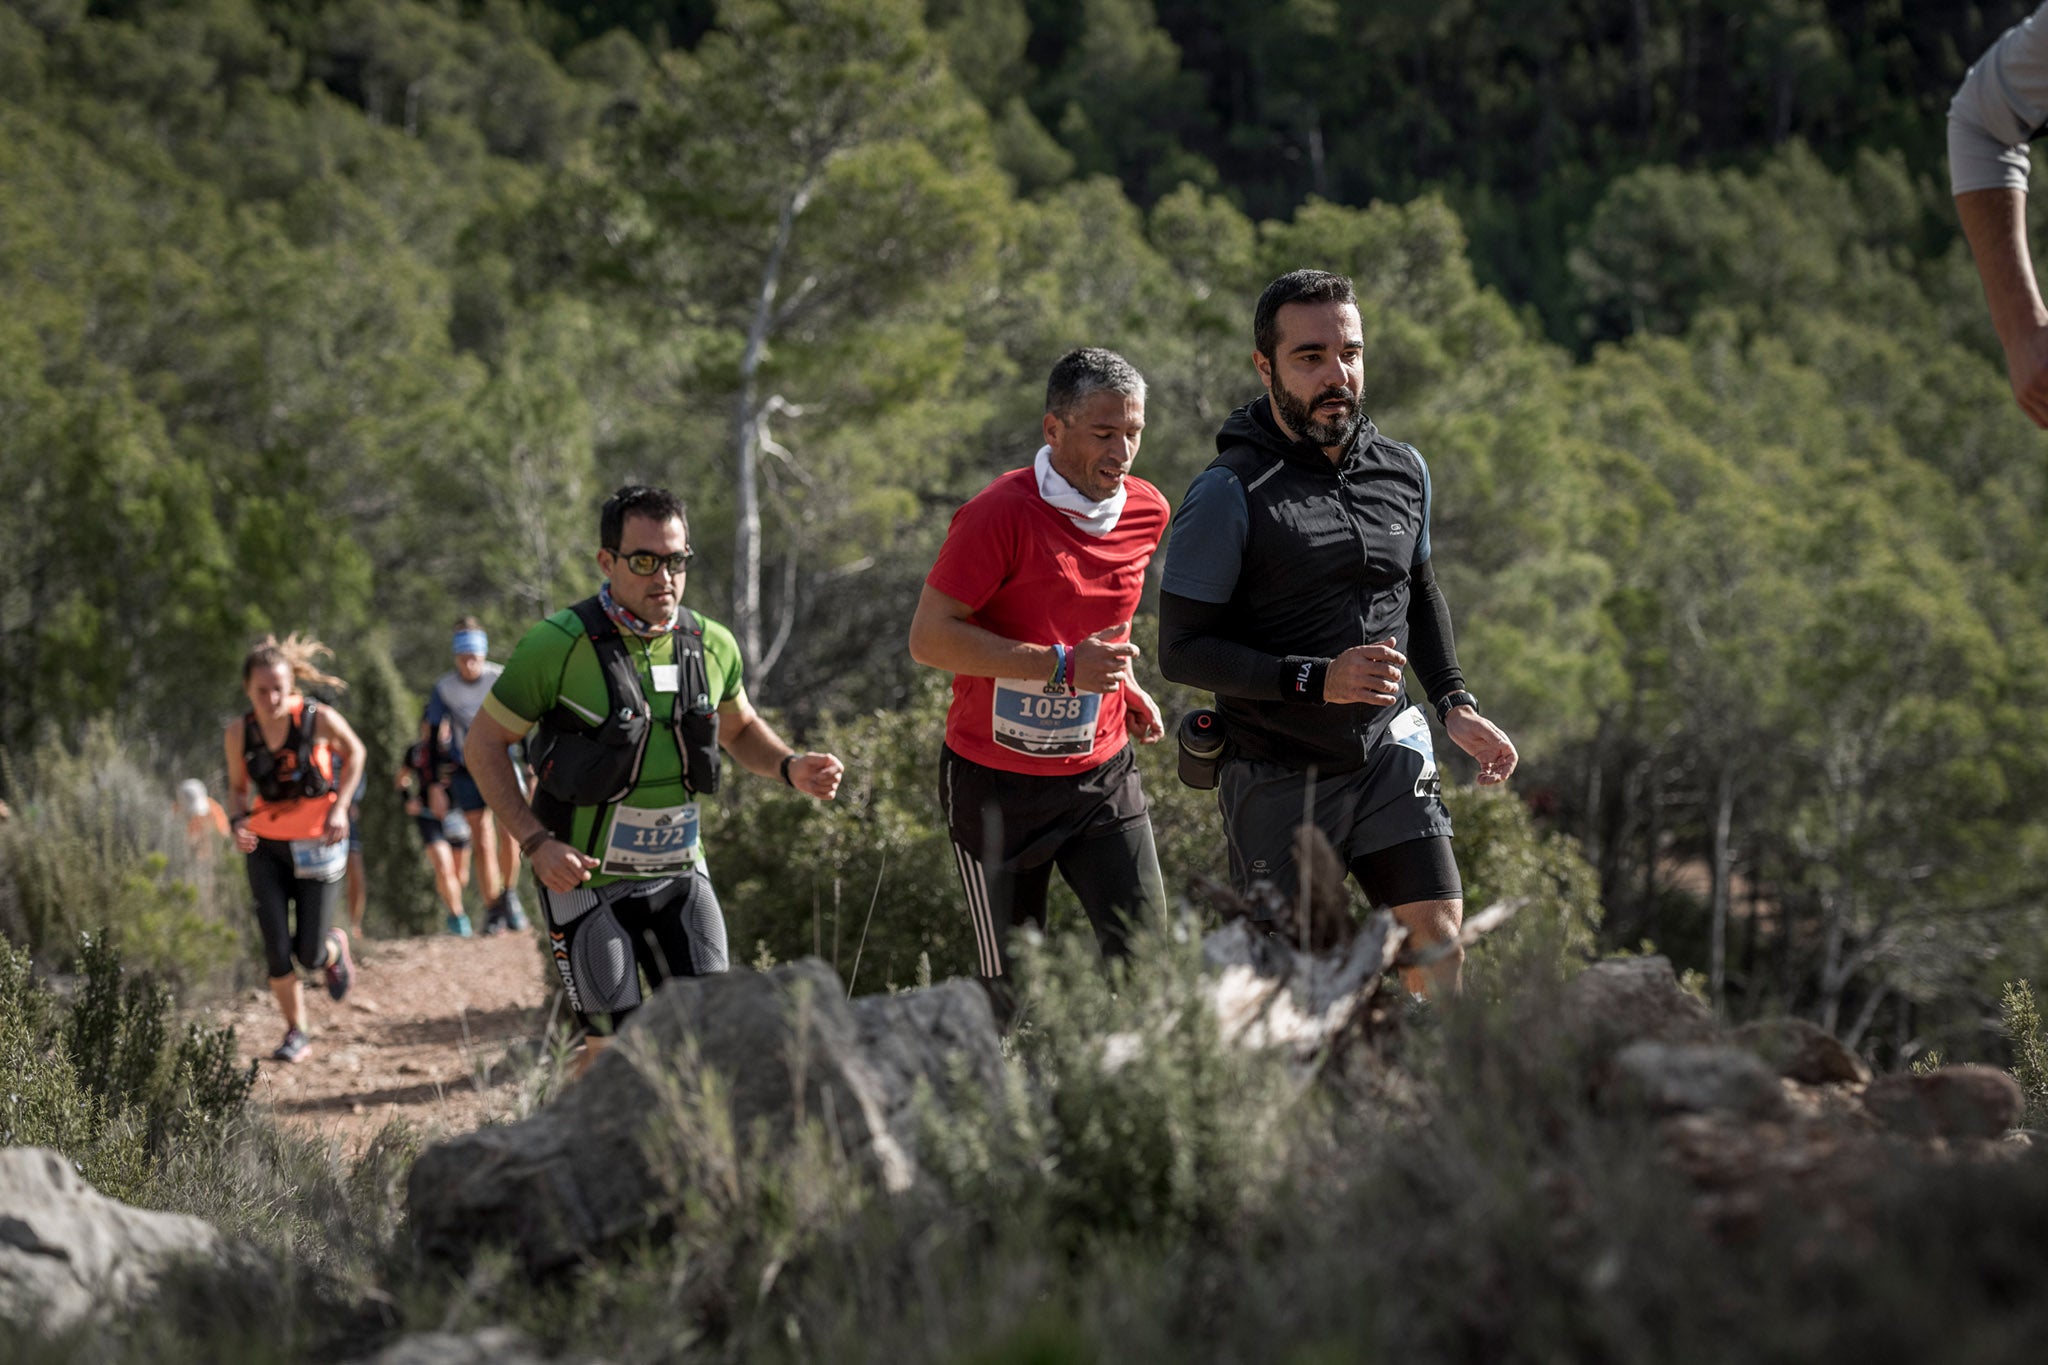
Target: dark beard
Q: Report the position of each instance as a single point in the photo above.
(1298, 416)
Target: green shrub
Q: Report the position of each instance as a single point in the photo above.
(868, 876)
(2029, 1052)
(96, 843)
(386, 714)
(102, 1081)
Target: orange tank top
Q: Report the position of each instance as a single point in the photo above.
(302, 817)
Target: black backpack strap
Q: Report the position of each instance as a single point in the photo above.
(256, 759)
(695, 717)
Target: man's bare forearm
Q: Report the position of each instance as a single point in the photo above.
(756, 747)
(1995, 222)
(490, 766)
(941, 637)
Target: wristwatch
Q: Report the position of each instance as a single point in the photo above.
(1450, 700)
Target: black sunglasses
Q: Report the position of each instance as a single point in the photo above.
(645, 562)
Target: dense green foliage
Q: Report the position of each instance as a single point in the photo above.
(340, 315)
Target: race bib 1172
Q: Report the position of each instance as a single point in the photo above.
(649, 843)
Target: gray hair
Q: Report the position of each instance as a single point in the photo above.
(1079, 375)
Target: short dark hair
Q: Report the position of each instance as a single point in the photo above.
(1296, 286)
(1081, 374)
(468, 623)
(636, 500)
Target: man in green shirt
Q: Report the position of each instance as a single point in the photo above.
(628, 696)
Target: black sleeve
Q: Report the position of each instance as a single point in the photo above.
(1432, 652)
(1193, 650)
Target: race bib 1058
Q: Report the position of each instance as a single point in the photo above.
(1030, 720)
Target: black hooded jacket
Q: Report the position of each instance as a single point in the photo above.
(1333, 555)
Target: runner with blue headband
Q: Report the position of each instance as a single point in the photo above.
(451, 709)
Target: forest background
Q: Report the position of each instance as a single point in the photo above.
(343, 317)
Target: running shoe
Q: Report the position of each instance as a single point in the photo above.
(294, 1047)
(340, 969)
(494, 917)
(458, 925)
(515, 914)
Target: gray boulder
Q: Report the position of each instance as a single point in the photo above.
(1953, 1102)
(68, 1253)
(1693, 1078)
(1802, 1051)
(1626, 1000)
(756, 1054)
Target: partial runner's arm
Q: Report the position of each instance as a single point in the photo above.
(342, 735)
(1995, 221)
(1432, 648)
(755, 746)
(238, 790)
(559, 866)
(2000, 105)
(942, 636)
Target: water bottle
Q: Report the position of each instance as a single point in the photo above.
(1201, 736)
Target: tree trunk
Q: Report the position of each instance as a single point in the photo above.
(1723, 874)
(746, 537)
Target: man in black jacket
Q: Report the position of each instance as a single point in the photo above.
(1298, 588)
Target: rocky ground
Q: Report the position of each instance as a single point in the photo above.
(432, 1032)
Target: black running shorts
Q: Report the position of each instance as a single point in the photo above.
(1386, 821)
(603, 939)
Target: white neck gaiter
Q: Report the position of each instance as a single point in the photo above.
(1096, 518)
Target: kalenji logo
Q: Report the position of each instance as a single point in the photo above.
(1301, 678)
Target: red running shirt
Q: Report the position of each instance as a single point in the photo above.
(1031, 575)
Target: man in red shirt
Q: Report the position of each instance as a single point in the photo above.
(1029, 607)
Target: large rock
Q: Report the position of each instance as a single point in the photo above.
(67, 1252)
(1693, 1078)
(762, 1053)
(1625, 1000)
(491, 1346)
(1802, 1051)
(1953, 1102)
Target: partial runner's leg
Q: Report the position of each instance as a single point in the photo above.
(358, 891)
(291, 1001)
(313, 904)
(271, 881)
(1419, 881)
(998, 900)
(483, 837)
(681, 933)
(1116, 878)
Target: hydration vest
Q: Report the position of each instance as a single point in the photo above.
(289, 772)
(577, 764)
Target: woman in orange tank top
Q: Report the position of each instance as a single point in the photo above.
(291, 817)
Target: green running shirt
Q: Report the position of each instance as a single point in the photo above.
(555, 661)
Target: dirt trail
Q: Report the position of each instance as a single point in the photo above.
(423, 1036)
